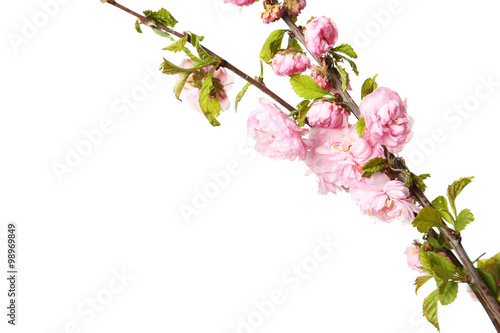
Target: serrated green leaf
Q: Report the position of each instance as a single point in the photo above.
(162, 16)
(435, 243)
(442, 274)
(343, 77)
(272, 45)
(437, 259)
(138, 26)
(202, 53)
(360, 127)
(427, 218)
(369, 86)
(418, 181)
(455, 189)
(306, 87)
(420, 281)
(424, 259)
(377, 164)
(209, 104)
(463, 219)
(449, 295)
(440, 203)
(177, 45)
(430, 308)
(347, 50)
(240, 95)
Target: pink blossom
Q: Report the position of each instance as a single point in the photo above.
(240, 2)
(287, 63)
(276, 134)
(386, 199)
(337, 157)
(222, 82)
(413, 256)
(273, 13)
(327, 114)
(294, 7)
(321, 34)
(387, 121)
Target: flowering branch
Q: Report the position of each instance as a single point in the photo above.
(359, 158)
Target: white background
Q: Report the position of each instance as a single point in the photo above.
(119, 209)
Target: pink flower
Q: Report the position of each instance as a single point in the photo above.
(327, 114)
(294, 7)
(387, 121)
(337, 157)
(321, 34)
(240, 2)
(277, 134)
(386, 199)
(272, 13)
(221, 79)
(287, 63)
(413, 256)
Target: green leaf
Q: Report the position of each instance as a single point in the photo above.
(162, 33)
(169, 68)
(347, 50)
(424, 176)
(455, 189)
(490, 282)
(442, 274)
(306, 87)
(424, 259)
(437, 259)
(302, 110)
(421, 280)
(369, 86)
(162, 16)
(360, 127)
(441, 205)
(449, 295)
(490, 266)
(418, 181)
(427, 218)
(177, 45)
(344, 78)
(430, 308)
(295, 44)
(272, 45)
(463, 219)
(377, 164)
(179, 85)
(138, 26)
(435, 243)
(209, 104)
(195, 41)
(240, 95)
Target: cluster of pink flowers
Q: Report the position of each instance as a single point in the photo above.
(222, 82)
(335, 153)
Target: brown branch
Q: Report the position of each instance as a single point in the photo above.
(224, 63)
